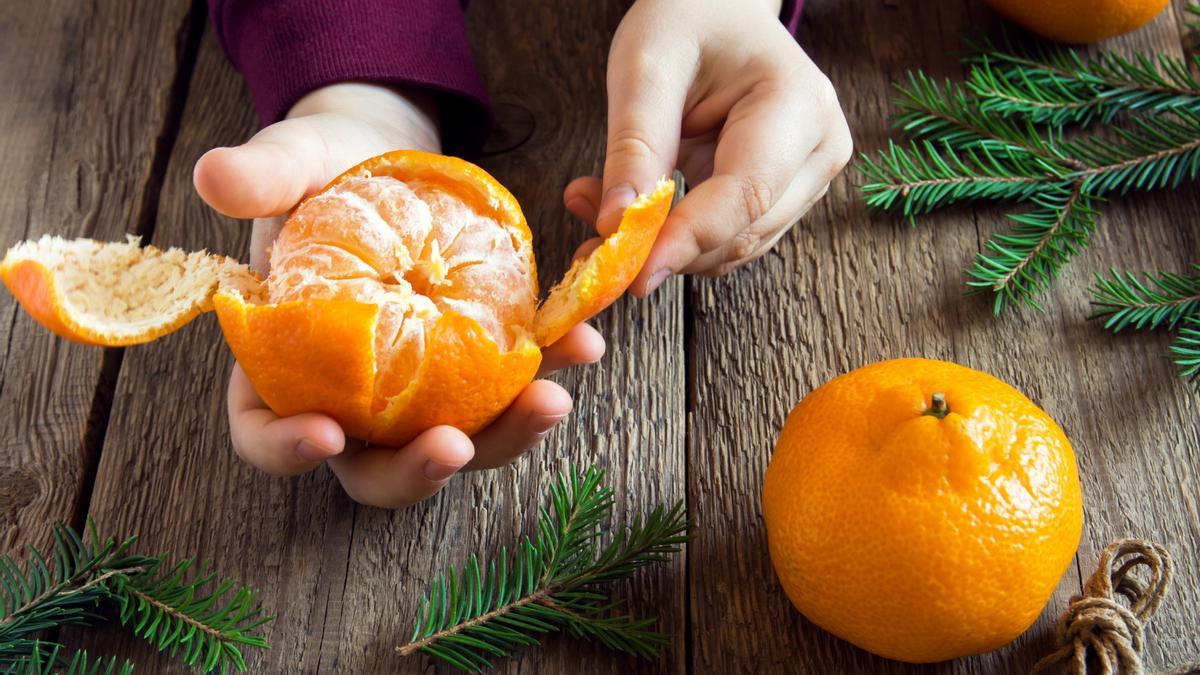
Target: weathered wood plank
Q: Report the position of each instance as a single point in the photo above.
(168, 471)
(548, 58)
(87, 97)
(845, 289)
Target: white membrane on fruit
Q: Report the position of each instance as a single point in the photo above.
(415, 250)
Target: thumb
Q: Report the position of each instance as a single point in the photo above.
(645, 109)
(266, 176)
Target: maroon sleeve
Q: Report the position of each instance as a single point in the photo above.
(287, 48)
(790, 14)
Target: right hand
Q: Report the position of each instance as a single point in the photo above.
(325, 133)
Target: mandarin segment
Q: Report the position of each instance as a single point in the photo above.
(914, 537)
(465, 381)
(595, 282)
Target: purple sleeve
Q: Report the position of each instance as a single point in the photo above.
(287, 48)
(790, 14)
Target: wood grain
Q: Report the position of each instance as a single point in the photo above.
(846, 289)
(82, 114)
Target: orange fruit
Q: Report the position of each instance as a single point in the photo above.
(402, 296)
(916, 530)
(1078, 21)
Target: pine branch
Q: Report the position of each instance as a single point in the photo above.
(62, 588)
(1019, 265)
(1161, 300)
(1010, 133)
(552, 582)
(1185, 351)
(946, 113)
(962, 151)
(76, 578)
(1057, 86)
(195, 618)
(924, 177)
(1156, 153)
(49, 661)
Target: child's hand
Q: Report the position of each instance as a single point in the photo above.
(326, 133)
(721, 90)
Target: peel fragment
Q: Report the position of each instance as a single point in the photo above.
(115, 294)
(595, 282)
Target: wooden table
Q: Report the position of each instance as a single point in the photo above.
(106, 107)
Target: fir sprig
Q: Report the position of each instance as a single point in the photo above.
(1017, 266)
(1126, 300)
(1033, 125)
(187, 614)
(193, 615)
(553, 581)
(49, 662)
(1163, 300)
(1185, 350)
(923, 176)
(1059, 87)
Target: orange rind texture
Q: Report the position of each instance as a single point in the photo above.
(595, 282)
(306, 356)
(917, 538)
(1079, 21)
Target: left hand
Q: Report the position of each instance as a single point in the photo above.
(327, 132)
(723, 91)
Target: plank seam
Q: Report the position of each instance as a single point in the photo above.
(689, 396)
(342, 598)
(187, 49)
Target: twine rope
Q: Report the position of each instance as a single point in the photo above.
(1099, 625)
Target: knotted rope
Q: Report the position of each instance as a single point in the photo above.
(1099, 625)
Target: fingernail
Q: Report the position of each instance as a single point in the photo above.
(542, 424)
(618, 197)
(657, 280)
(438, 472)
(311, 452)
(584, 208)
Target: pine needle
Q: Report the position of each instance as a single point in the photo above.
(202, 623)
(1185, 351)
(553, 581)
(1019, 265)
(1035, 124)
(1162, 300)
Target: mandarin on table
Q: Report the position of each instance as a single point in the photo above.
(921, 510)
(402, 296)
(1079, 21)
